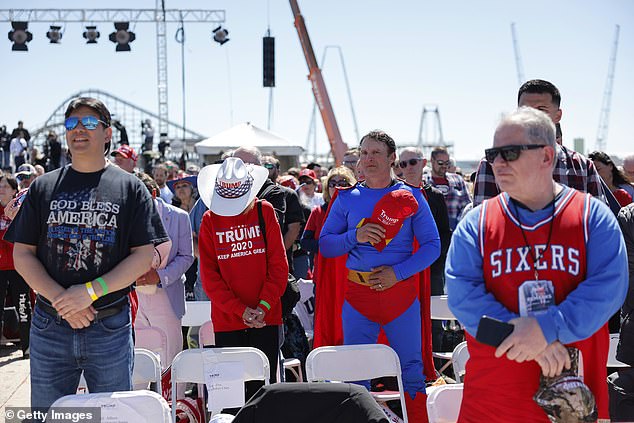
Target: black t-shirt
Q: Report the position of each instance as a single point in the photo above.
(275, 195)
(84, 224)
(438, 207)
(294, 211)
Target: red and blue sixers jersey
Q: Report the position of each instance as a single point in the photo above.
(507, 264)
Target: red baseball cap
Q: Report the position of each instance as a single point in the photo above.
(390, 212)
(308, 172)
(288, 181)
(126, 151)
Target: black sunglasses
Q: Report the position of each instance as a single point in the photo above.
(412, 162)
(334, 184)
(270, 166)
(509, 153)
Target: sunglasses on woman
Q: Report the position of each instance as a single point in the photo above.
(412, 162)
(509, 153)
(89, 122)
(334, 184)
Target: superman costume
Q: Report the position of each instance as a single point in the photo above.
(397, 309)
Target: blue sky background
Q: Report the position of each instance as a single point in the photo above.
(400, 55)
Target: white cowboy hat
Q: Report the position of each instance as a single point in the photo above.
(228, 188)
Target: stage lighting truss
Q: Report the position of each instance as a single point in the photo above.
(54, 34)
(20, 36)
(122, 36)
(91, 34)
(220, 35)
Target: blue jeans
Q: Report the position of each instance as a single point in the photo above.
(6, 159)
(104, 351)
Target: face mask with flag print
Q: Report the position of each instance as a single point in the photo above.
(390, 212)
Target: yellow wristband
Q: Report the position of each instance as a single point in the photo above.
(91, 291)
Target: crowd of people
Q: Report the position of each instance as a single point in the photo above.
(531, 238)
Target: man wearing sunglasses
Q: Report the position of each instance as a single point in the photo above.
(294, 218)
(25, 175)
(351, 159)
(83, 235)
(451, 185)
(571, 168)
(544, 257)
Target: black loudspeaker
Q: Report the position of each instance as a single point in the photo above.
(268, 62)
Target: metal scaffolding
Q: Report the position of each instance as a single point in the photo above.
(110, 15)
(160, 16)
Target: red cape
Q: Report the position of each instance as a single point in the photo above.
(330, 288)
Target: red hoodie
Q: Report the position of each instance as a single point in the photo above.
(238, 270)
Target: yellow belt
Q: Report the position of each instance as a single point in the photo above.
(362, 278)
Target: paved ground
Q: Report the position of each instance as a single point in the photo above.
(15, 389)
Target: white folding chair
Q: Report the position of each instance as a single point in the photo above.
(147, 369)
(443, 403)
(459, 359)
(196, 313)
(132, 406)
(188, 365)
(347, 363)
(206, 334)
(614, 343)
(439, 310)
(293, 365)
(153, 339)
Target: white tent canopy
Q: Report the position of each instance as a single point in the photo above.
(244, 135)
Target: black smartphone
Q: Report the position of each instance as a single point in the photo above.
(493, 331)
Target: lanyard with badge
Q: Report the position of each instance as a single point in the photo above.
(535, 296)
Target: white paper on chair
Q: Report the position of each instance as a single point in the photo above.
(225, 385)
(122, 413)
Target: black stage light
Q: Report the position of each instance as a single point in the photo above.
(220, 35)
(54, 34)
(91, 34)
(20, 36)
(122, 36)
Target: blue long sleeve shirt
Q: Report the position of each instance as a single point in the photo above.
(338, 236)
(583, 311)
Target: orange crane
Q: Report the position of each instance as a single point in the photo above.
(337, 146)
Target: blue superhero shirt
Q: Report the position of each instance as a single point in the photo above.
(338, 235)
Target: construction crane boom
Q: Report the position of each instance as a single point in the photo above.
(337, 146)
(604, 118)
(518, 57)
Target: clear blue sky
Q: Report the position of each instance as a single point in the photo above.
(399, 55)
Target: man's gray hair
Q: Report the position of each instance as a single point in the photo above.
(252, 151)
(537, 125)
(414, 150)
